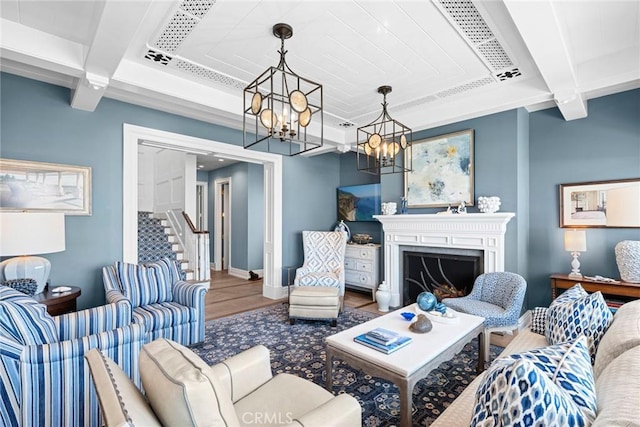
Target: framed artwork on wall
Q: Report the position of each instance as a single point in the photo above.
(613, 203)
(442, 172)
(46, 187)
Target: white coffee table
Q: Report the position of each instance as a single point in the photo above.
(406, 366)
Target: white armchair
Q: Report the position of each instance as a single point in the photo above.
(323, 259)
(241, 391)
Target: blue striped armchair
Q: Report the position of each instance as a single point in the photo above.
(44, 380)
(168, 306)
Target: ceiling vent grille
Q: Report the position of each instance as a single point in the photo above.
(415, 103)
(197, 8)
(208, 74)
(157, 57)
(476, 30)
(178, 28)
(465, 87)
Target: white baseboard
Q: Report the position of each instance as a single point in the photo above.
(243, 274)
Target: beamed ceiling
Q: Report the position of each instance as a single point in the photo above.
(446, 60)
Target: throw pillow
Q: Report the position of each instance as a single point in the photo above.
(172, 373)
(588, 316)
(147, 283)
(27, 322)
(26, 286)
(548, 386)
(539, 320)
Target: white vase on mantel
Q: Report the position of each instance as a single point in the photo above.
(383, 297)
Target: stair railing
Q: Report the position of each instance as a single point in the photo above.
(197, 249)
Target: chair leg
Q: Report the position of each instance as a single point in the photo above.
(292, 321)
(334, 323)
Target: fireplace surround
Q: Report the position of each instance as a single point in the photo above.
(474, 231)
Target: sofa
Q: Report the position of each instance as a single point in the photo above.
(616, 372)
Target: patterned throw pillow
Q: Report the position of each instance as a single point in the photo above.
(26, 286)
(539, 320)
(588, 316)
(148, 283)
(548, 386)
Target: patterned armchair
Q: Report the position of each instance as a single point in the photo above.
(44, 380)
(323, 259)
(497, 297)
(167, 306)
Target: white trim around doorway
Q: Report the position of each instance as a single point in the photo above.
(272, 164)
(218, 226)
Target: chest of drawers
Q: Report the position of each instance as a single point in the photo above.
(362, 266)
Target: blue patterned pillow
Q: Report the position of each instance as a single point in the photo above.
(26, 286)
(148, 283)
(27, 322)
(588, 316)
(548, 386)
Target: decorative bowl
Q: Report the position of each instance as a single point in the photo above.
(407, 315)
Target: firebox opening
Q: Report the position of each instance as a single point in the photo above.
(445, 274)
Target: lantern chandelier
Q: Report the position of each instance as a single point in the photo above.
(384, 145)
(280, 106)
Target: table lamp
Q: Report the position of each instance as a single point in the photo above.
(575, 241)
(25, 234)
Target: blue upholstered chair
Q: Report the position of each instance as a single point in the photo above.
(44, 380)
(323, 259)
(168, 306)
(497, 297)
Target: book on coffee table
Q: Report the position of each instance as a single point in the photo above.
(399, 342)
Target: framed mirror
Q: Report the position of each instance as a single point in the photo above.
(613, 203)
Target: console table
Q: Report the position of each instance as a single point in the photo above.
(59, 302)
(621, 289)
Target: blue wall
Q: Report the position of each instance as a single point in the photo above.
(247, 213)
(605, 145)
(37, 123)
(520, 157)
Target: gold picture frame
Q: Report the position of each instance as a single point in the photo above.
(44, 187)
(599, 204)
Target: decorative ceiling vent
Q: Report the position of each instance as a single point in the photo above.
(415, 102)
(178, 28)
(346, 124)
(197, 8)
(157, 57)
(465, 87)
(208, 74)
(476, 30)
(509, 74)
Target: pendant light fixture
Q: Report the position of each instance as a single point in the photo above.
(384, 145)
(280, 107)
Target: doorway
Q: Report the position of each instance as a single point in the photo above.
(273, 170)
(222, 224)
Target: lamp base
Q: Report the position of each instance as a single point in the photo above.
(575, 267)
(27, 267)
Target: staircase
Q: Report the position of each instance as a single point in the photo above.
(156, 241)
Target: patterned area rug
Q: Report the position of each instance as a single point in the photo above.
(299, 350)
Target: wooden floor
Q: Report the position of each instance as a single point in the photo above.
(231, 295)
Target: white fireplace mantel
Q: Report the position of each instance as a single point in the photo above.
(478, 231)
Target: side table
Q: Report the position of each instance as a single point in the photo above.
(59, 302)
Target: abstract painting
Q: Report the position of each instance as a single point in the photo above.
(442, 172)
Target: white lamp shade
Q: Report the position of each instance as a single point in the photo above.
(575, 241)
(30, 233)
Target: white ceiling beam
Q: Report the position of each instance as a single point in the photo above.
(118, 24)
(539, 27)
